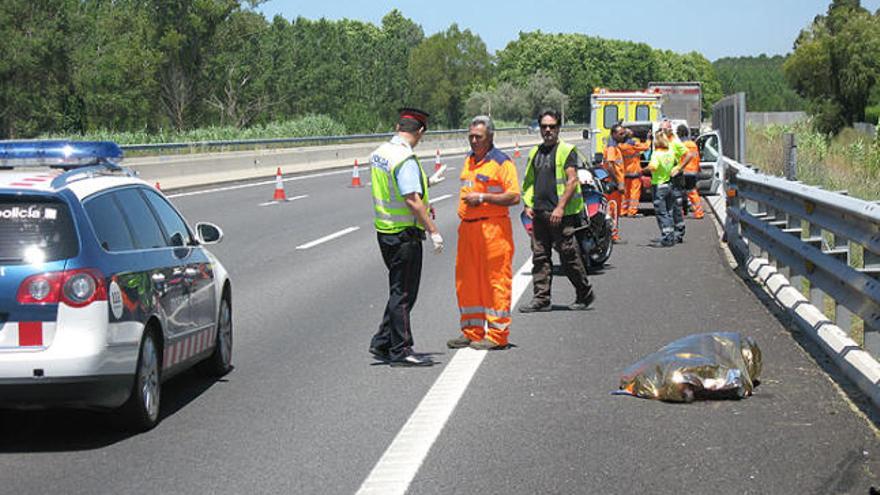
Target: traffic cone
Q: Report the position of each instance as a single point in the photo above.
(356, 175)
(516, 153)
(437, 163)
(279, 188)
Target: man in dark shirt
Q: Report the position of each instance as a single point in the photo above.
(552, 195)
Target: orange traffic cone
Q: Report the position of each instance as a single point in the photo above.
(437, 163)
(356, 176)
(279, 188)
(516, 153)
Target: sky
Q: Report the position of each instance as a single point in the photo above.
(714, 28)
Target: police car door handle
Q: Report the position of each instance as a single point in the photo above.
(158, 278)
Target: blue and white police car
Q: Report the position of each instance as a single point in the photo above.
(105, 291)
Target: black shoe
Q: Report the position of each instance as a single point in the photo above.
(582, 305)
(411, 360)
(680, 240)
(534, 307)
(380, 354)
(458, 342)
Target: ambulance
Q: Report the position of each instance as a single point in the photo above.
(609, 107)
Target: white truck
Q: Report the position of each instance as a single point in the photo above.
(681, 101)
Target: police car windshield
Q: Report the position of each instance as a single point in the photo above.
(35, 231)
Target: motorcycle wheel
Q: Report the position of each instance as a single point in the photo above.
(602, 252)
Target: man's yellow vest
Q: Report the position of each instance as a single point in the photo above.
(576, 203)
(389, 207)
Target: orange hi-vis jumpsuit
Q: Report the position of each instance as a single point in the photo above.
(483, 264)
(693, 169)
(614, 164)
(632, 175)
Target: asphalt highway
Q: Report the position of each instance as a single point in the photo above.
(306, 409)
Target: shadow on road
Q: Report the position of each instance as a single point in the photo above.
(66, 430)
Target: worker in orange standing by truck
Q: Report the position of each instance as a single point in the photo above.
(483, 265)
(614, 164)
(691, 164)
(632, 149)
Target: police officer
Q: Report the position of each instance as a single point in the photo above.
(552, 196)
(401, 208)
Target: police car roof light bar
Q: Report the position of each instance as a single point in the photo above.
(66, 155)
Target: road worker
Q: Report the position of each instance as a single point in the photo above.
(613, 162)
(552, 196)
(632, 149)
(677, 181)
(483, 264)
(401, 209)
(691, 164)
(665, 165)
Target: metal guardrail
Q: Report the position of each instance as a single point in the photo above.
(302, 140)
(827, 238)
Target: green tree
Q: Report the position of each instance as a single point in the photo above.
(580, 63)
(34, 61)
(762, 79)
(185, 31)
(835, 65)
(444, 69)
(114, 65)
(237, 70)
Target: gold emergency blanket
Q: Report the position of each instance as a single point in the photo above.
(706, 365)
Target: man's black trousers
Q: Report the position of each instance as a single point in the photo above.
(402, 254)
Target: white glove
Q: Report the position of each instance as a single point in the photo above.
(437, 177)
(438, 242)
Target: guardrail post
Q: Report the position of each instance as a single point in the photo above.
(816, 296)
(872, 328)
(789, 153)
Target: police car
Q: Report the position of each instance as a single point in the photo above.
(105, 292)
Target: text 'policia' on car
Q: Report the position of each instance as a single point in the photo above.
(105, 292)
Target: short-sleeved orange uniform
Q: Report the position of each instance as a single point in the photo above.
(483, 264)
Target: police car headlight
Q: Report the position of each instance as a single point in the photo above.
(80, 288)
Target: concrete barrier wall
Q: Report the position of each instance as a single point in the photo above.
(777, 118)
(180, 171)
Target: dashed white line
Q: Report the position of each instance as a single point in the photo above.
(293, 198)
(327, 238)
(440, 198)
(401, 461)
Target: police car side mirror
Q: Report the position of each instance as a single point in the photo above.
(208, 233)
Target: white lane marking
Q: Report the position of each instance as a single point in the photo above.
(401, 461)
(328, 238)
(294, 198)
(440, 198)
(255, 184)
(263, 183)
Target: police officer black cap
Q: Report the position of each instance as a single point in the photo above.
(414, 113)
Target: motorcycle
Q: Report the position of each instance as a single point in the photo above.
(594, 234)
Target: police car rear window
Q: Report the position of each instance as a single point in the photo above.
(35, 231)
